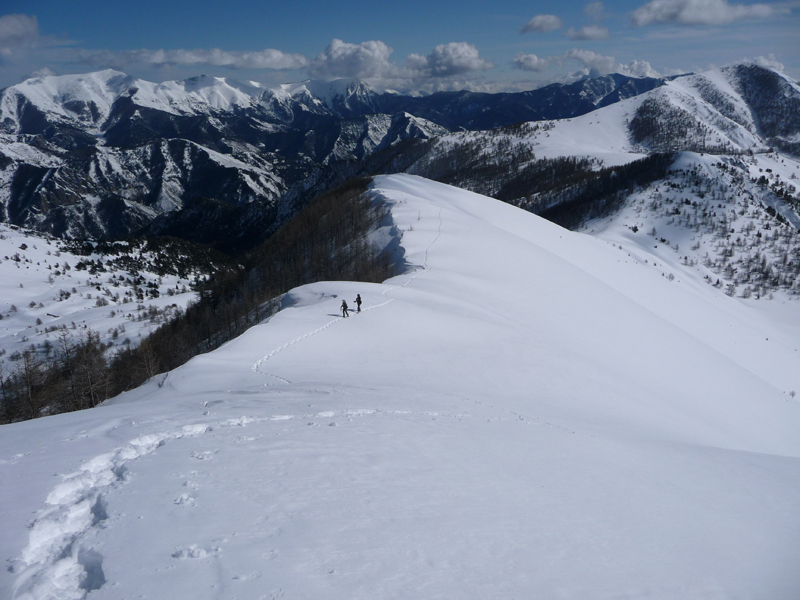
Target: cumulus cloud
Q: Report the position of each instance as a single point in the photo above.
(16, 31)
(642, 68)
(24, 51)
(590, 32)
(594, 11)
(531, 62)
(597, 63)
(697, 12)
(594, 64)
(370, 60)
(770, 62)
(542, 24)
(361, 61)
(455, 58)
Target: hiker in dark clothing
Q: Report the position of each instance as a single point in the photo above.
(344, 309)
(358, 302)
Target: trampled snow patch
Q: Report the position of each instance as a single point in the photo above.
(54, 563)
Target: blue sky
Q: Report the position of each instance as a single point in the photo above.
(415, 45)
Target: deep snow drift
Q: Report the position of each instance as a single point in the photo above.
(527, 412)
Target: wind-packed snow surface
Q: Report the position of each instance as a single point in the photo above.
(522, 414)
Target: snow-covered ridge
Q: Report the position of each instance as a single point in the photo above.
(711, 102)
(105, 154)
(523, 404)
(88, 98)
(326, 93)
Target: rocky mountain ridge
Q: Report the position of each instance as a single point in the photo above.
(105, 155)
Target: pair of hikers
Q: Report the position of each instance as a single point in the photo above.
(344, 305)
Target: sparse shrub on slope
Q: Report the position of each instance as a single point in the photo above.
(601, 193)
(661, 126)
(775, 105)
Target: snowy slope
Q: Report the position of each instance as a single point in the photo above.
(523, 413)
(84, 98)
(714, 103)
(725, 209)
(602, 134)
(45, 290)
(716, 220)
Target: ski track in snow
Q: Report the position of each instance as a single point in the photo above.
(425, 268)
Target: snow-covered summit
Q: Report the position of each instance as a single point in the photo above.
(197, 94)
(87, 97)
(741, 108)
(525, 412)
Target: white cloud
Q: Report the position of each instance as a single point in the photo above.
(531, 62)
(598, 64)
(542, 24)
(594, 11)
(455, 58)
(43, 72)
(642, 68)
(358, 61)
(594, 64)
(17, 31)
(590, 32)
(770, 62)
(698, 12)
(264, 59)
(370, 60)
(417, 62)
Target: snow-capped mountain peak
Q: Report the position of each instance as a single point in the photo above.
(87, 98)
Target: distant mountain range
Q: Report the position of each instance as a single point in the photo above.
(574, 170)
(217, 161)
(211, 160)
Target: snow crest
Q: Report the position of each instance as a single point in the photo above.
(424, 268)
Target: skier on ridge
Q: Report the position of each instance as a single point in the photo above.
(358, 302)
